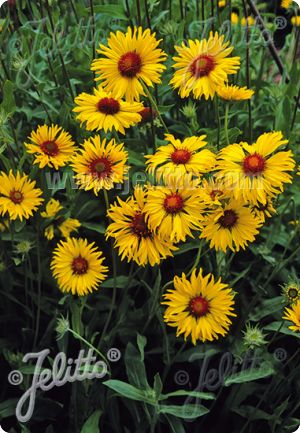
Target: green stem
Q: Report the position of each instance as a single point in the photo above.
(154, 105)
(226, 123)
(39, 283)
(114, 262)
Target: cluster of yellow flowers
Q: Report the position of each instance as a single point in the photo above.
(223, 197)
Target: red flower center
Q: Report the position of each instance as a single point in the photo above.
(173, 203)
(50, 148)
(147, 114)
(108, 106)
(254, 164)
(139, 226)
(16, 196)
(181, 156)
(215, 193)
(80, 266)
(198, 306)
(100, 167)
(229, 219)
(130, 64)
(202, 66)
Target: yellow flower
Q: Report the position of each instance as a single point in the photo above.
(213, 192)
(100, 164)
(51, 146)
(200, 307)
(291, 292)
(103, 111)
(250, 20)
(232, 226)
(292, 314)
(49, 232)
(18, 196)
(234, 93)
(174, 210)
(263, 211)
(234, 18)
(180, 157)
(68, 226)
(129, 59)
(77, 266)
(296, 20)
(255, 171)
(203, 66)
(52, 208)
(285, 4)
(222, 3)
(133, 236)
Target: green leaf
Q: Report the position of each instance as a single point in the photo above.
(135, 368)
(175, 424)
(282, 328)
(188, 411)
(8, 103)
(157, 386)
(114, 11)
(121, 281)
(196, 394)
(92, 423)
(128, 391)
(95, 227)
(265, 370)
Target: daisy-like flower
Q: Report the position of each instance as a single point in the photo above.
(264, 211)
(133, 236)
(51, 146)
(203, 66)
(232, 226)
(103, 111)
(291, 292)
(295, 20)
(100, 164)
(213, 191)
(52, 208)
(180, 157)
(200, 307)
(77, 266)
(285, 4)
(256, 172)
(175, 210)
(68, 226)
(130, 59)
(18, 196)
(292, 314)
(234, 93)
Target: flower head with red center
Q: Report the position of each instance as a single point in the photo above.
(175, 210)
(133, 236)
(200, 307)
(103, 111)
(181, 157)
(230, 227)
(19, 197)
(130, 64)
(100, 164)
(256, 173)
(78, 266)
(202, 66)
(128, 60)
(51, 146)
